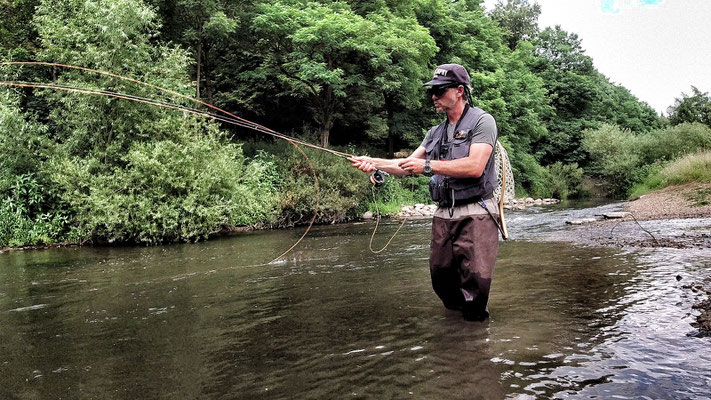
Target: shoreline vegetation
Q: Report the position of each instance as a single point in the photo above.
(671, 203)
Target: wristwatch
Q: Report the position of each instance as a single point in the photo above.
(428, 169)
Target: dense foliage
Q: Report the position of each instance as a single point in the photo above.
(624, 159)
(344, 74)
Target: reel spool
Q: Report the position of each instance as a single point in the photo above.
(377, 178)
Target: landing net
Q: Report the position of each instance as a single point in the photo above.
(503, 167)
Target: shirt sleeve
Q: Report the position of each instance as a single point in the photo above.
(485, 131)
(427, 137)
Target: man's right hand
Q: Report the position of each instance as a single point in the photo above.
(363, 163)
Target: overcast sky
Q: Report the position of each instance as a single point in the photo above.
(655, 48)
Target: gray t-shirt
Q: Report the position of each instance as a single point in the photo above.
(483, 132)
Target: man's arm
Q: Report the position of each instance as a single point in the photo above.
(391, 166)
(467, 167)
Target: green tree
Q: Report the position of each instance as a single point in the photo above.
(129, 171)
(113, 36)
(333, 58)
(691, 108)
(518, 19)
(205, 27)
(405, 48)
(23, 141)
(17, 34)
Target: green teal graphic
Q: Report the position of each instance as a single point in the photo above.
(615, 6)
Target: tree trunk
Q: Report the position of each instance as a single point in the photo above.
(325, 133)
(199, 62)
(327, 111)
(392, 129)
(207, 68)
(208, 87)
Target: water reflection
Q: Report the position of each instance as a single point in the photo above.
(212, 320)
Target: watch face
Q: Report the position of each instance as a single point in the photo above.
(428, 168)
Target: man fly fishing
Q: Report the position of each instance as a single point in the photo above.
(458, 155)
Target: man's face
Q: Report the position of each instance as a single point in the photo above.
(445, 97)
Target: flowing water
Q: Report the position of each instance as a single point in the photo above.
(212, 321)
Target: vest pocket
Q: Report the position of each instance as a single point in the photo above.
(460, 149)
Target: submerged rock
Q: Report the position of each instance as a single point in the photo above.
(616, 215)
(581, 221)
(703, 320)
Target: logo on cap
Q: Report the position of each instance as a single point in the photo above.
(440, 71)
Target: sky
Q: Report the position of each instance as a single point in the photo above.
(657, 49)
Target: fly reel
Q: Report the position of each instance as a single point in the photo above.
(377, 178)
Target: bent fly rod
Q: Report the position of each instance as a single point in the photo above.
(233, 119)
(377, 178)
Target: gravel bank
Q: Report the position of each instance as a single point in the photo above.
(671, 203)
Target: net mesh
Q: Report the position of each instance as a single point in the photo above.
(503, 167)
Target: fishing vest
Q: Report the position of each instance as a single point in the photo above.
(448, 191)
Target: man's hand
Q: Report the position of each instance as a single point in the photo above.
(413, 165)
(363, 163)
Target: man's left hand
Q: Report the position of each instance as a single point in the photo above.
(413, 165)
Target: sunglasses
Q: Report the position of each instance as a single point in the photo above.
(439, 90)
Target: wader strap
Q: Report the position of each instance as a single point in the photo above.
(451, 208)
(444, 137)
(482, 203)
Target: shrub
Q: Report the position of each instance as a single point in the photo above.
(22, 141)
(614, 157)
(674, 142)
(396, 192)
(566, 180)
(531, 178)
(23, 219)
(629, 164)
(169, 191)
(340, 194)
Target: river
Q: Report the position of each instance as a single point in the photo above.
(213, 320)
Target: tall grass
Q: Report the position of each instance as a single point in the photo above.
(691, 168)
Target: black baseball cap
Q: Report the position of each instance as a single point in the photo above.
(447, 74)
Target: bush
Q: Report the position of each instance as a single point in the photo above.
(22, 141)
(674, 142)
(531, 178)
(169, 191)
(396, 192)
(23, 220)
(652, 181)
(340, 194)
(614, 157)
(628, 163)
(566, 180)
